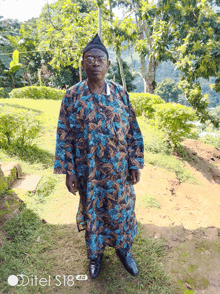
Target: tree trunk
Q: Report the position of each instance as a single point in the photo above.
(80, 73)
(118, 55)
(12, 82)
(151, 75)
(144, 71)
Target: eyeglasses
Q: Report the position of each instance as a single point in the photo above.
(91, 60)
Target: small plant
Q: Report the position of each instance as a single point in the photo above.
(14, 66)
(18, 127)
(150, 202)
(174, 120)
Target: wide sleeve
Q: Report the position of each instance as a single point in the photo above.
(134, 139)
(64, 151)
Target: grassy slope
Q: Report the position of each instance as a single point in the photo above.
(62, 249)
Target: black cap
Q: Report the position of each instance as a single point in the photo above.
(95, 43)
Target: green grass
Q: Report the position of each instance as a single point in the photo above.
(34, 248)
(150, 202)
(22, 232)
(170, 163)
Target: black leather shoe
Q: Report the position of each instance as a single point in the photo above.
(95, 266)
(128, 262)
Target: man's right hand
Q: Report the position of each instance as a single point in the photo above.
(71, 183)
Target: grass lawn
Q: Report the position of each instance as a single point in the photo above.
(56, 248)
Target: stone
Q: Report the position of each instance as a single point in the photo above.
(27, 183)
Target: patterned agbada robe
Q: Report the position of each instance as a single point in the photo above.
(99, 140)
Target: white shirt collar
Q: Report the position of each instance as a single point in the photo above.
(108, 88)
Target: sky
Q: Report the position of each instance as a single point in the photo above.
(22, 9)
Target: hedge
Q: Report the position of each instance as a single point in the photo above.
(143, 103)
(35, 92)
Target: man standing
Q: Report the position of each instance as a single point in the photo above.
(100, 148)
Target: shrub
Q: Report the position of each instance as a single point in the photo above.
(154, 139)
(143, 103)
(1, 92)
(174, 121)
(35, 92)
(18, 127)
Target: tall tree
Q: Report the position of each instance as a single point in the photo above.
(66, 28)
(115, 75)
(185, 32)
(119, 34)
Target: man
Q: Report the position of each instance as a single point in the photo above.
(100, 148)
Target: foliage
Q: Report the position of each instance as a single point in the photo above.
(13, 67)
(9, 28)
(154, 139)
(184, 32)
(114, 74)
(188, 34)
(120, 34)
(168, 90)
(211, 140)
(18, 127)
(174, 120)
(66, 28)
(35, 92)
(65, 78)
(216, 111)
(2, 93)
(143, 103)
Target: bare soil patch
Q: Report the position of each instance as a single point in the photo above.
(188, 219)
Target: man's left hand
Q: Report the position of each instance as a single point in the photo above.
(134, 176)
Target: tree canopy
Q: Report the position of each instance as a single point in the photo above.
(168, 90)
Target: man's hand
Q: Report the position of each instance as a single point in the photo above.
(134, 176)
(71, 183)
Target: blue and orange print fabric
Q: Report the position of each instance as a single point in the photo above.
(98, 139)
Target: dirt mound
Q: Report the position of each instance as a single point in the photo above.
(204, 158)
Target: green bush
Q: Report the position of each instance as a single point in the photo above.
(154, 139)
(143, 103)
(1, 92)
(35, 92)
(174, 120)
(18, 127)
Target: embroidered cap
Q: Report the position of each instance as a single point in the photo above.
(95, 43)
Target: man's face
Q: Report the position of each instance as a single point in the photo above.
(97, 70)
